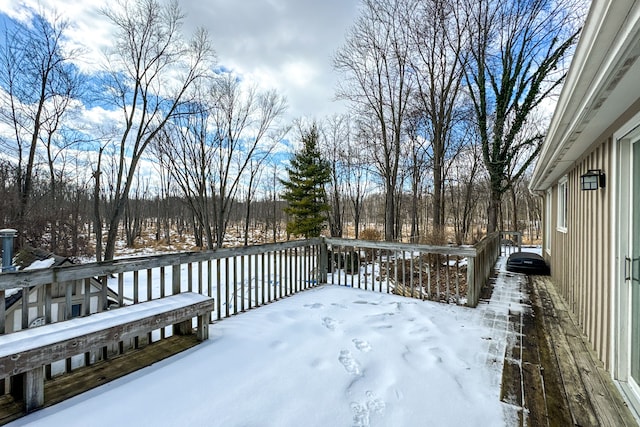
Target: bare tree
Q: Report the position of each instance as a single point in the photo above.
(9, 193)
(57, 140)
(151, 71)
(133, 211)
(439, 43)
(377, 80)
(358, 184)
(516, 62)
(465, 189)
(416, 164)
(97, 216)
(336, 134)
(187, 146)
(253, 175)
(254, 172)
(242, 121)
(39, 82)
(219, 148)
(165, 190)
(275, 191)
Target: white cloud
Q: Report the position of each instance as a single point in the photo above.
(300, 73)
(281, 44)
(285, 45)
(89, 30)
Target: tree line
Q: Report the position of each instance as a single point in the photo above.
(444, 119)
(430, 81)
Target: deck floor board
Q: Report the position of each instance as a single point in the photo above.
(593, 399)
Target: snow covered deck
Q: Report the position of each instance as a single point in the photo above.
(332, 355)
(248, 277)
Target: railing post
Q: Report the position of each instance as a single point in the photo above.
(323, 263)
(2, 314)
(104, 294)
(183, 328)
(472, 290)
(175, 279)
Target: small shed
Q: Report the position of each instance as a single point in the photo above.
(30, 258)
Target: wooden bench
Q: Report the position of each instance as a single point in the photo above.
(28, 351)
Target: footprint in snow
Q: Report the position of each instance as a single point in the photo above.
(320, 364)
(362, 345)
(360, 415)
(383, 327)
(329, 323)
(374, 404)
(278, 345)
(315, 306)
(351, 365)
(362, 411)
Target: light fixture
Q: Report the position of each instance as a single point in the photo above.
(592, 180)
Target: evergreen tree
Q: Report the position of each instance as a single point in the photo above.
(304, 190)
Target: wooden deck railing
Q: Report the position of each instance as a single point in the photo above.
(248, 277)
(510, 241)
(242, 278)
(451, 274)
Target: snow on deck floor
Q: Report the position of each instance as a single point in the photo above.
(331, 356)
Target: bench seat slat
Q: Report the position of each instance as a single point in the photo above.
(22, 350)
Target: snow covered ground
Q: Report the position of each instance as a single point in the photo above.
(331, 356)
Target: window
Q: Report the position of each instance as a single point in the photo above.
(563, 194)
(76, 310)
(547, 222)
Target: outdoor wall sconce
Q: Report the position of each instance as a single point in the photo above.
(592, 180)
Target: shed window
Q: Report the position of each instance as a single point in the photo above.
(563, 195)
(76, 309)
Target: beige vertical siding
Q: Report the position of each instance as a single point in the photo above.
(580, 257)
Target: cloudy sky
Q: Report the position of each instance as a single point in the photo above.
(281, 44)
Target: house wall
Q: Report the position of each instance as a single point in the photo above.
(580, 258)
(580, 255)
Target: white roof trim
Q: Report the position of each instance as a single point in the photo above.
(594, 92)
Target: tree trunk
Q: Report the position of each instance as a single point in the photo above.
(112, 235)
(76, 224)
(415, 229)
(275, 219)
(356, 222)
(246, 222)
(389, 216)
(55, 224)
(492, 214)
(158, 215)
(335, 223)
(97, 220)
(437, 199)
(514, 226)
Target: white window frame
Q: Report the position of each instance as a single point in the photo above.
(547, 222)
(563, 201)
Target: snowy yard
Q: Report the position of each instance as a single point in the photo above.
(331, 356)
